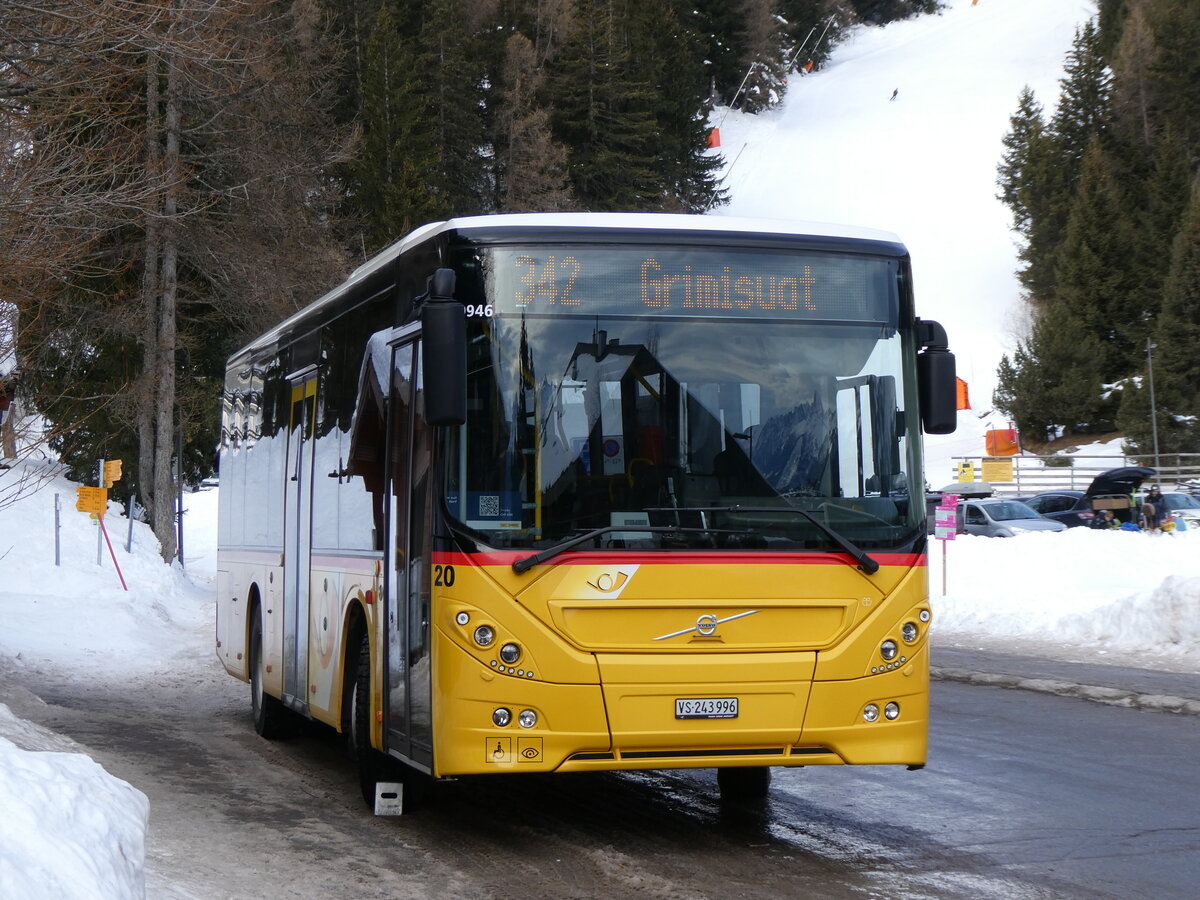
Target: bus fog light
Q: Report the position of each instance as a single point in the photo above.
(510, 653)
(870, 712)
(484, 635)
(892, 710)
(501, 717)
(463, 618)
(888, 649)
(527, 718)
(909, 632)
(925, 615)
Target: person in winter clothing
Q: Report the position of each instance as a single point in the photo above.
(1104, 518)
(1153, 509)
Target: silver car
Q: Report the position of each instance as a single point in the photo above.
(1002, 518)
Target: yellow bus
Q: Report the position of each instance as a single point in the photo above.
(582, 492)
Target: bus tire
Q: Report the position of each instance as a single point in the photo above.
(744, 784)
(368, 759)
(270, 715)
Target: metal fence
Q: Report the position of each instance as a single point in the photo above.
(1033, 474)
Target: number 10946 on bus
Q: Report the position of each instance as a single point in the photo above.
(707, 708)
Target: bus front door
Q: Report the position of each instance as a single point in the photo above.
(408, 694)
(297, 533)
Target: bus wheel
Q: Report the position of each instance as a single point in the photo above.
(744, 784)
(269, 714)
(369, 760)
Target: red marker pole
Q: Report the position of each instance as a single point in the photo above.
(104, 531)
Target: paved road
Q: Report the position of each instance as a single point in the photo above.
(1026, 795)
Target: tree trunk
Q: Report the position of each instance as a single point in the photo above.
(164, 443)
(150, 266)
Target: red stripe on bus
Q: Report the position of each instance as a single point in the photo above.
(676, 557)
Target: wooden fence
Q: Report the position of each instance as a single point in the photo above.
(1033, 474)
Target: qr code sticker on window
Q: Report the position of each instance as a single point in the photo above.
(489, 505)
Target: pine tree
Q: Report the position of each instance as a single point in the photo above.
(663, 51)
(397, 162)
(454, 84)
(1017, 169)
(1176, 362)
(1084, 112)
(603, 115)
(1095, 277)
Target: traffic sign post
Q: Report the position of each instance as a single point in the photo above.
(945, 527)
(94, 500)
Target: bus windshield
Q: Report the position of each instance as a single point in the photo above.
(712, 418)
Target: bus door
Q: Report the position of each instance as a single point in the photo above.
(408, 697)
(297, 535)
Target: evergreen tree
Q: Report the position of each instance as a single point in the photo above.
(1095, 277)
(397, 162)
(1084, 112)
(1176, 361)
(604, 116)
(1175, 69)
(722, 28)
(1017, 168)
(455, 103)
(664, 52)
(1051, 386)
(765, 81)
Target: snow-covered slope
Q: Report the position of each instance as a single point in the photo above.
(922, 165)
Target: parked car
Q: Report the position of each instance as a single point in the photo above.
(1072, 508)
(1002, 518)
(1113, 490)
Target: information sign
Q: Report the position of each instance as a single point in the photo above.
(92, 500)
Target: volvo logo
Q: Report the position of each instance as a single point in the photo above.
(706, 625)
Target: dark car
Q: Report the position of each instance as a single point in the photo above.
(1113, 490)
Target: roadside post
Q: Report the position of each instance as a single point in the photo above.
(945, 527)
(94, 500)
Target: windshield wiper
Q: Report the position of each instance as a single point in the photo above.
(860, 556)
(528, 562)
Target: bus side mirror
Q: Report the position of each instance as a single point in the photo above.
(444, 354)
(937, 385)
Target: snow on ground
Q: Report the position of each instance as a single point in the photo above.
(922, 166)
(68, 828)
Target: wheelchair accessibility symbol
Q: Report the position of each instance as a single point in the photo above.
(498, 750)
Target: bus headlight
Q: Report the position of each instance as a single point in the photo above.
(909, 632)
(888, 649)
(891, 711)
(510, 653)
(527, 718)
(484, 635)
(870, 712)
(501, 717)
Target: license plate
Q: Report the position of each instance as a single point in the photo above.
(707, 708)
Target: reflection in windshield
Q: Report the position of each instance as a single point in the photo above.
(721, 427)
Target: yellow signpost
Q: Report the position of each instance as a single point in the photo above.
(966, 471)
(92, 500)
(112, 471)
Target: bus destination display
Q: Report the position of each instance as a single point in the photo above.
(689, 282)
